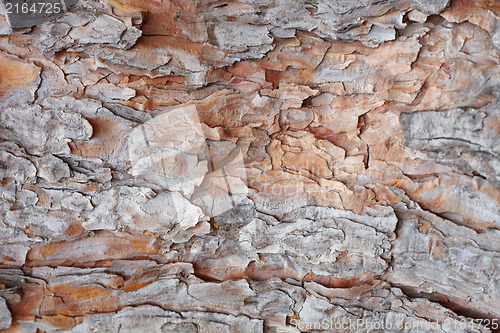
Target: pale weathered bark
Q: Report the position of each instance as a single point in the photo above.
(252, 166)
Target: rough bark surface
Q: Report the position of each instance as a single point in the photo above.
(252, 166)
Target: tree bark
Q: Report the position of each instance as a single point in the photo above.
(253, 166)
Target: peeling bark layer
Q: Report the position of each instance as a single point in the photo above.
(253, 166)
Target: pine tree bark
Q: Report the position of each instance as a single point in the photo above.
(252, 166)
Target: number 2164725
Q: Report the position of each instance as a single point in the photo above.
(33, 8)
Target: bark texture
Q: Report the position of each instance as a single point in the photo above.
(252, 166)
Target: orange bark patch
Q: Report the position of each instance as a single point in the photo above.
(63, 322)
(15, 73)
